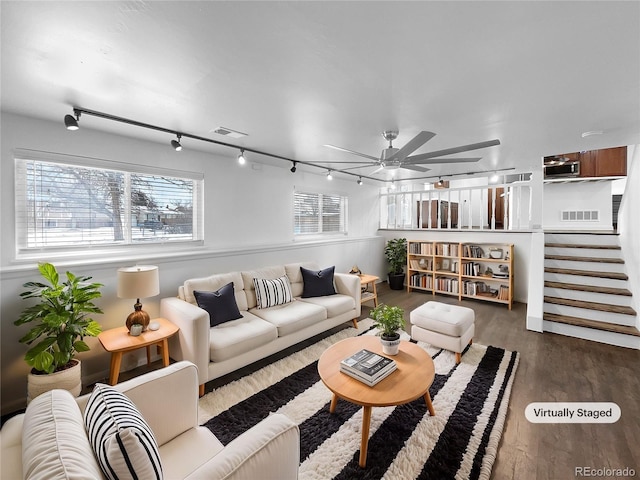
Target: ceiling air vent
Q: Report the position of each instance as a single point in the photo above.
(227, 132)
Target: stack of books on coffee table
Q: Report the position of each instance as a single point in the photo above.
(367, 367)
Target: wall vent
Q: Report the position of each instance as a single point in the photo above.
(227, 132)
(580, 215)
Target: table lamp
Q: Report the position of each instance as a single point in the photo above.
(140, 281)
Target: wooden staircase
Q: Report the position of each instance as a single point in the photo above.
(586, 291)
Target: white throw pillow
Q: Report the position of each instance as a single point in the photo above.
(54, 441)
(122, 440)
(272, 292)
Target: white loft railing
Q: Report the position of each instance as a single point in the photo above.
(504, 206)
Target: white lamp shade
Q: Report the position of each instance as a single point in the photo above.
(140, 281)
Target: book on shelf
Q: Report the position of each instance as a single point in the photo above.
(367, 366)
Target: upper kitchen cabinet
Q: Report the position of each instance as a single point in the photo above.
(608, 162)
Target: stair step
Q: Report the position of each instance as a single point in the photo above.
(583, 259)
(587, 273)
(582, 322)
(576, 245)
(601, 307)
(588, 288)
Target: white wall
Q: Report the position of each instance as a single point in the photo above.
(577, 196)
(628, 224)
(248, 223)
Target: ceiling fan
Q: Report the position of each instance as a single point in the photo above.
(392, 158)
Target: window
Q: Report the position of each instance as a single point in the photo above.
(319, 213)
(63, 205)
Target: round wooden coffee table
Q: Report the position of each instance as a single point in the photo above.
(411, 380)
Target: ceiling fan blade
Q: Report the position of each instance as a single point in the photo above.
(433, 161)
(349, 162)
(415, 168)
(381, 167)
(412, 145)
(376, 159)
(451, 151)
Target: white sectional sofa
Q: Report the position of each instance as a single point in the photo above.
(260, 332)
(49, 440)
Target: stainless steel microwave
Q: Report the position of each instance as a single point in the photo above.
(568, 169)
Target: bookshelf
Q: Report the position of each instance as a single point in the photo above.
(482, 271)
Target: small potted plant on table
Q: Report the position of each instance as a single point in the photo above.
(396, 253)
(60, 323)
(388, 320)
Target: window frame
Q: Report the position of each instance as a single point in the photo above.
(318, 233)
(23, 251)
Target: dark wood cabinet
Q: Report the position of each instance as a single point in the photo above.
(587, 163)
(608, 162)
(611, 162)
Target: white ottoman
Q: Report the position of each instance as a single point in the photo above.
(446, 326)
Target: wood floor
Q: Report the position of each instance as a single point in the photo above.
(553, 368)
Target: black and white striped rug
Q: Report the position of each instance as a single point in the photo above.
(470, 399)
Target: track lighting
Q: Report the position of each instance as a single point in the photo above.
(393, 185)
(241, 159)
(70, 122)
(359, 182)
(440, 182)
(176, 143)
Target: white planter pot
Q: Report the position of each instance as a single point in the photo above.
(390, 347)
(69, 379)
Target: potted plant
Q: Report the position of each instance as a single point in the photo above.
(60, 321)
(396, 253)
(388, 320)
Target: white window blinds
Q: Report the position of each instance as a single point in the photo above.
(316, 213)
(63, 206)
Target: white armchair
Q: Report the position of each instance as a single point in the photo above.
(168, 401)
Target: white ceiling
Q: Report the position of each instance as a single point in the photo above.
(297, 75)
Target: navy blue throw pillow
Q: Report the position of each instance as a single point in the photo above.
(317, 283)
(221, 304)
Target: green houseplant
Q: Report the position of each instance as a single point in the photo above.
(388, 320)
(59, 323)
(396, 252)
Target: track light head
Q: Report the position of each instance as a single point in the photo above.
(241, 159)
(329, 176)
(359, 182)
(293, 167)
(176, 143)
(70, 122)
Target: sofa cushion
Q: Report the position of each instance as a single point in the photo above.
(318, 283)
(220, 305)
(292, 317)
(215, 282)
(249, 288)
(334, 304)
(295, 275)
(121, 439)
(272, 292)
(233, 338)
(54, 440)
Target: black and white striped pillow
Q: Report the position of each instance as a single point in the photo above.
(121, 439)
(272, 292)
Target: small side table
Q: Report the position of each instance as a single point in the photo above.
(118, 341)
(368, 295)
